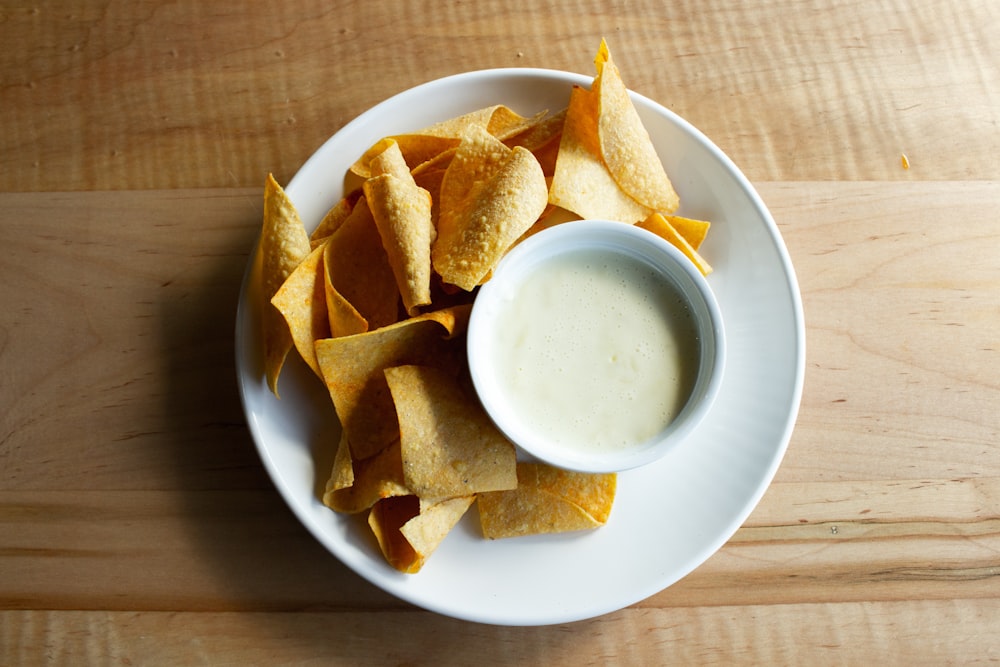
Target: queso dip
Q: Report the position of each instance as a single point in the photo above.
(595, 350)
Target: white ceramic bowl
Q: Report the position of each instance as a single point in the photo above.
(509, 280)
(669, 516)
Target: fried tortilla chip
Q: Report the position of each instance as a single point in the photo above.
(427, 530)
(542, 139)
(581, 182)
(409, 531)
(372, 479)
(659, 225)
(359, 270)
(626, 147)
(342, 474)
(693, 231)
(352, 368)
(449, 445)
(301, 300)
(547, 500)
(402, 212)
(283, 245)
(490, 196)
(416, 148)
(333, 219)
(345, 320)
(424, 145)
(386, 519)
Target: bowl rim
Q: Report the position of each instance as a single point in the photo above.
(619, 238)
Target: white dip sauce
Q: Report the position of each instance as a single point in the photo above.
(596, 351)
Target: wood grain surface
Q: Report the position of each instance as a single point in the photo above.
(137, 524)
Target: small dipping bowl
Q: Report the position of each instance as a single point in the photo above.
(600, 244)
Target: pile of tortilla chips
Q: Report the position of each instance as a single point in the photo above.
(376, 301)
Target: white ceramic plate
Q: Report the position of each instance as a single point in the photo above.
(668, 517)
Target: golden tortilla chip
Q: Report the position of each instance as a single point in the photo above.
(342, 474)
(408, 532)
(416, 148)
(402, 212)
(333, 219)
(547, 500)
(374, 478)
(693, 231)
(301, 300)
(626, 147)
(424, 145)
(542, 139)
(449, 445)
(352, 368)
(659, 225)
(283, 245)
(345, 320)
(490, 195)
(359, 269)
(427, 530)
(581, 182)
(386, 519)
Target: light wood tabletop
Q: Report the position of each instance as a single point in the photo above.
(137, 522)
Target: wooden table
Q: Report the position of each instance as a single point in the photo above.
(137, 525)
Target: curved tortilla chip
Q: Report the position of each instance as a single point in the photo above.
(283, 245)
(372, 479)
(359, 269)
(352, 368)
(547, 500)
(424, 145)
(331, 221)
(427, 530)
(301, 300)
(448, 443)
(659, 225)
(625, 144)
(342, 474)
(693, 231)
(581, 182)
(386, 519)
(402, 212)
(490, 196)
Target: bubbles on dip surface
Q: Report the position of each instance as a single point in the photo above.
(595, 350)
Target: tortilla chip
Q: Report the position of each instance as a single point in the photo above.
(626, 147)
(301, 300)
(547, 500)
(542, 130)
(352, 368)
(374, 478)
(359, 269)
(693, 231)
(283, 245)
(402, 212)
(424, 145)
(449, 445)
(342, 474)
(490, 195)
(427, 530)
(416, 148)
(333, 219)
(345, 320)
(659, 225)
(386, 519)
(542, 139)
(581, 182)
